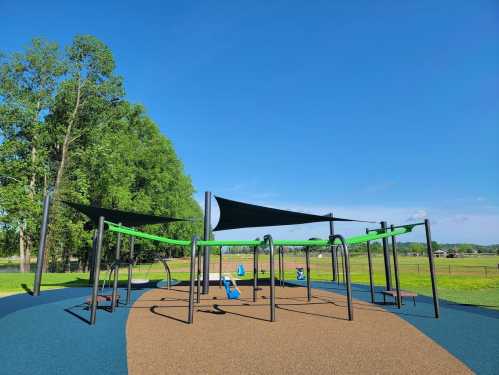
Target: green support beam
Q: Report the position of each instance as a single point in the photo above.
(350, 241)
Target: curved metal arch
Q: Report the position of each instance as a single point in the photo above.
(268, 240)
(168, 273)
(346, 262)
(190, 314)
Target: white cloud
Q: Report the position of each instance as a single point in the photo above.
(418, 216)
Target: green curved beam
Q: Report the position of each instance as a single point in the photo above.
(376, 235)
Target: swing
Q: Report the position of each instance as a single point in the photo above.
(143, 281)
(102, 296)
(240, 270)
(300, 275)
(232, 293)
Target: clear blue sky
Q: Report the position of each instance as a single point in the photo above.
(373, 109)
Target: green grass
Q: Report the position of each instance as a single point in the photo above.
(466, 282)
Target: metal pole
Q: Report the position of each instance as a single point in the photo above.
(220, 267)
(130, 271)
(206, 249)
(429, 250)
(386, 257)
(91, 260)
(396, 268)
(255, 270)
(280, 267)
(95, 287)
(307, 265)
(346, 263)
(334, 255)
(268, 239)
(198, 273)
(116, 271)
(370, 263)
(283, 277)
(190, 313)
(41, 246)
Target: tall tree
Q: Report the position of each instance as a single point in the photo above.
(65, 127)
(28, 82)
(81, 105)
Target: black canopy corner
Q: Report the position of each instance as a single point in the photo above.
(130, 219)
(234, 215)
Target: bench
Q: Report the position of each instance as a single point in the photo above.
(103, 298)
(403, 293)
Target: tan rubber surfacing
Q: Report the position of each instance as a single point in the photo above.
(236, 337)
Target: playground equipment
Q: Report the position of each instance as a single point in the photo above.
(239, 215)
(240, 270)
(300, 274)
(232, 291)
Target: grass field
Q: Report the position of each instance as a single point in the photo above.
(462, 280)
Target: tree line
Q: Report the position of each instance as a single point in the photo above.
(67, 128)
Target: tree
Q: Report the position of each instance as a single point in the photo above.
(65, 127)
(86, 95)
(28, 82)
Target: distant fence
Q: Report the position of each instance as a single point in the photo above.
(325, 267)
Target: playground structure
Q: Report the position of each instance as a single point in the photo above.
(239, 215)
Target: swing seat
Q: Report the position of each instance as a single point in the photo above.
(300, 275)
(102, 298)
(240, 270)
(231, 293)
(140, 281)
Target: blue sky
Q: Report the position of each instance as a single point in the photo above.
(377, 110)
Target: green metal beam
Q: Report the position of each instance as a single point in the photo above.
(351, 240)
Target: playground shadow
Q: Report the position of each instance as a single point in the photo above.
(466, 331)
(153, 309)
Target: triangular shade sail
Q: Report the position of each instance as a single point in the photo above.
(235, 215)
(130, 219)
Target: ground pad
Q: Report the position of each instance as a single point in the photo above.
(236, 336)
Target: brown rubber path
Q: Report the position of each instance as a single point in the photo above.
(235, 337)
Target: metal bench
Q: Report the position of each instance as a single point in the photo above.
(403, 293)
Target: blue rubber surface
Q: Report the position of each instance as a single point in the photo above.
(49, 334)
(470, 333)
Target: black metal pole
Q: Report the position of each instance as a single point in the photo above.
(130, 271)
(206, 249)
(334, 255)
(396, 268)
(370, 264)
(283, 277)
(346, 263)
(116, 271)
(429, 250)
(41, 246)
(190, 313)
(198, 273)
(91, 260)
(307, 266)
(95, 287)
(220, 267)
(268, 240)
(255, 271)
(280, 265)
(386, 258)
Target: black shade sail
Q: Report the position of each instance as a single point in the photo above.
(235, 215)
(129, 219)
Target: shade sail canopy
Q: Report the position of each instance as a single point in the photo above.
(234, 215)
(126, 218)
